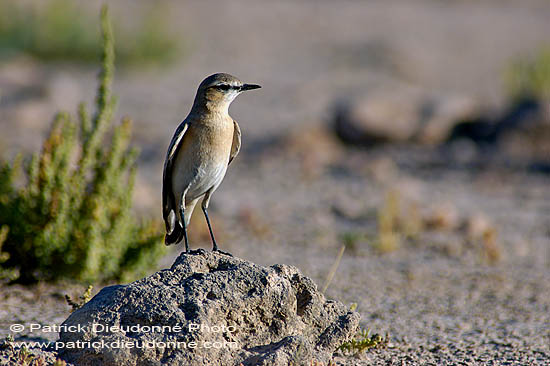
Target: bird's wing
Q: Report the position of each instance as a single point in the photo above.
(169, 210)
(236, 146)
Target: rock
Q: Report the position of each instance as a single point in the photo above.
(524, 131)
(520, 134)
(378, 118)
(520, 116)
(403, 114)
(223, 311)
(441, 114)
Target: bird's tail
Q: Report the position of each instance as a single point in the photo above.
(175, 236)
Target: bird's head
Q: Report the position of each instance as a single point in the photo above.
(219, 90)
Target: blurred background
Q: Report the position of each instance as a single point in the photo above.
(461, 83)
(415, 133)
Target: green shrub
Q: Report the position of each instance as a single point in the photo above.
(362, 342)
(61, 30)
(530, 77)
(69, 213)
(82, 299)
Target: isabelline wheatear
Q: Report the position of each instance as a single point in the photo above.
(203, 145)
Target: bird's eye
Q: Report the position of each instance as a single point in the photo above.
(224, 87)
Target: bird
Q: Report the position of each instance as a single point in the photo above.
(200, 151)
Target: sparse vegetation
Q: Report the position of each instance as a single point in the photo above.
(399, 221)
(22, 355)
(82, 299)
(69, 213)
(6, 274)
(333, 269)
(351, 240)
(389, 237)
(481, 234)
(530, 77)
(363, 342)
(63, 30)
(490, 252)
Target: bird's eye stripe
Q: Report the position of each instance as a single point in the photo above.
(226, 87)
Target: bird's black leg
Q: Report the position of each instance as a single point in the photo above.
(214, 244)
(182, 214)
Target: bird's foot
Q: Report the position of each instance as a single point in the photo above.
(222, 252)
(196, 251)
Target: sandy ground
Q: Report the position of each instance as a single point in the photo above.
(472, 286)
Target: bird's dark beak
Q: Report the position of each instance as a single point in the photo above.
(246, 87)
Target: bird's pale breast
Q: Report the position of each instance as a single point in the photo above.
(202, 159)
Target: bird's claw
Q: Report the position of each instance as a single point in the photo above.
(222, 252)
